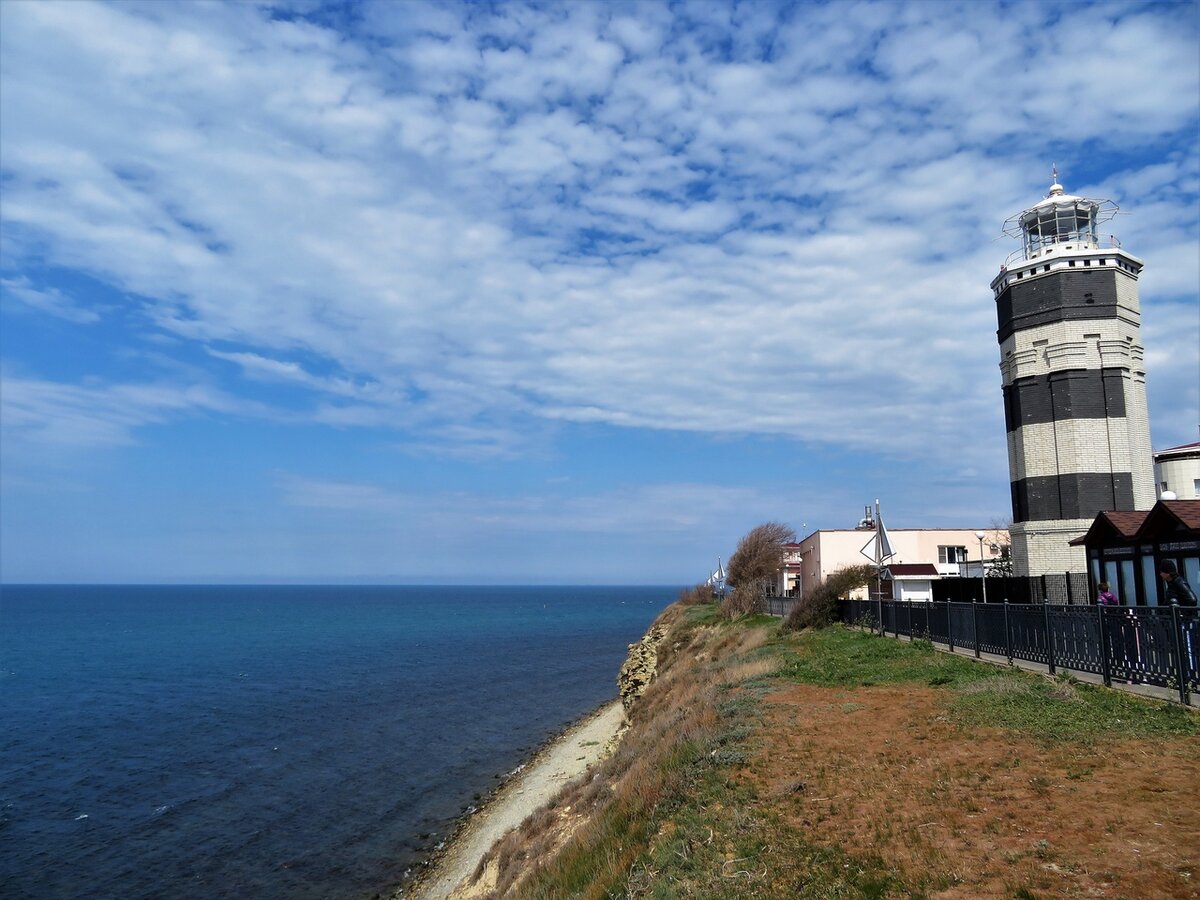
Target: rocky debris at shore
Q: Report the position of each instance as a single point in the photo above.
(640, 666)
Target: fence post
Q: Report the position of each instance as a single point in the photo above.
(949, 627)
(975, 627)
(1105, 669)
(1049, 635)
(1180, 660)
(1007, 633)
(879, 610)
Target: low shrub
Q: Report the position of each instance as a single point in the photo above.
(821, 607)
(744, 600)
(695, 595)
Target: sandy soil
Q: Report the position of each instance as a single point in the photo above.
(562, 761)
(882, 770)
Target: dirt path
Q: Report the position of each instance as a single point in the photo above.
(565, 759)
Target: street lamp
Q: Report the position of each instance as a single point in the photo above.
(982, 571)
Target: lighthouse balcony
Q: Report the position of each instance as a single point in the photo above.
(1070, 256)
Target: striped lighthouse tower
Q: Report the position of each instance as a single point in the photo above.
(1074, 379)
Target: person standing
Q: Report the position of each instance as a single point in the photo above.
(1106, 597)
(1178, 590)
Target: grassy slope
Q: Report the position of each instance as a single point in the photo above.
(671, 815)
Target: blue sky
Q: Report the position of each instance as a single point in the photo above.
(544, 293)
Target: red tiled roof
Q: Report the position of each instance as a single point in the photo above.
(1194, 446)
(898, 569)
(1128, 525)
(1188, 511)
(1126, 522)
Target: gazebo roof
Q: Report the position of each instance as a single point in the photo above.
(1167, 518)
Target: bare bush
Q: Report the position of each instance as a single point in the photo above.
(759, 554)
(744, 600)
(694, 596)
(821, 607)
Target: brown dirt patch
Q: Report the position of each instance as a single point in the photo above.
(981, 812)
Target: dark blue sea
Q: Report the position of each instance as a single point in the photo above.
(277, 742)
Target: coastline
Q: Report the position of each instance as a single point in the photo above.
(561, 759)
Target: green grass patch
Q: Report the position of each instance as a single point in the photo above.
(1064, 710)
(842, 657)
(1049, 709)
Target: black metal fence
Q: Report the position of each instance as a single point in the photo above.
(779, 606)
(1064, 588)
(1141, 645)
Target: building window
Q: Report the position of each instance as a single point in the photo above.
(952, 554)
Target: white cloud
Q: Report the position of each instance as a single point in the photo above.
(51, 414)
(595, 215)
(47, 300)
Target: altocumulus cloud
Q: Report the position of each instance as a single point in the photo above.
(457, 218)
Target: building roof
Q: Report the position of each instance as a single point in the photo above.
(924, 570)
(1185, 512)
(1181, 450)
(1131, 526)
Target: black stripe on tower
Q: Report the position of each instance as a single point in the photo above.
(1069, 394)
(1057, 297)
(1081, 495)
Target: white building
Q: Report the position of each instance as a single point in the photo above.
(1178, 469)
(938, 552)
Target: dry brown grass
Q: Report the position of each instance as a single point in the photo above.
(677, 710)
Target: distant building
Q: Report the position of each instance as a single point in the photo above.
(789, 576)
(912, 581)
(937, 552)
(1074, 379)
(1177, 469)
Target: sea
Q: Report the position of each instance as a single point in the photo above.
(277, 742)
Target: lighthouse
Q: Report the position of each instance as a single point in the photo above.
(1071, 360)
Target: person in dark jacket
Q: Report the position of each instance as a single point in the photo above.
(1178, 590)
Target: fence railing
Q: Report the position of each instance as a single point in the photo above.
(779, 606)
(1140, 645)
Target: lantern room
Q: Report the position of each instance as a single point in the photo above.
(1061, 222)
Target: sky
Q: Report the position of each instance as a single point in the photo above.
(550, 293)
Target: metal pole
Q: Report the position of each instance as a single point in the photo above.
(1105, 669)
(982, 571)
(949, 627)
(1180, 663)
(1007, 633)
(975, 627)
(1049, 636)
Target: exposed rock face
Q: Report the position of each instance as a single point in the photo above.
(640, 666)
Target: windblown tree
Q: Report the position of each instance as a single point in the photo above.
(754, 565)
